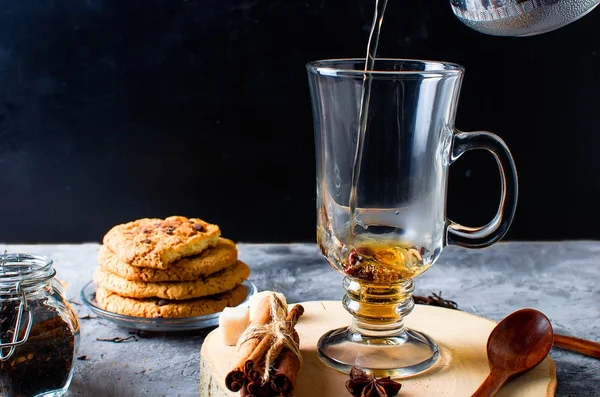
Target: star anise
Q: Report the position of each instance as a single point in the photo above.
(362, 384)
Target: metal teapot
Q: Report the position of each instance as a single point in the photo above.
(520, 17)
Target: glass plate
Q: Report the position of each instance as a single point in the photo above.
(157, 324)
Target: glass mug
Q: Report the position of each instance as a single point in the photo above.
(398, 227)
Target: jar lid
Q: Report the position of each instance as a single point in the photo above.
(25, 268)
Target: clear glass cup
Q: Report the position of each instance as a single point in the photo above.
(399, 226)
(39, 331)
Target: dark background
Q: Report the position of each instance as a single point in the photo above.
(115, 110)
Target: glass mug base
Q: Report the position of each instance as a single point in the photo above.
(402, 355)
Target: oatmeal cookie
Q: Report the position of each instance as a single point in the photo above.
(216, 283)
(157, 243)
(209, 261)
(161, 308)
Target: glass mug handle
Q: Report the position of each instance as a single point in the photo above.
(483, 236)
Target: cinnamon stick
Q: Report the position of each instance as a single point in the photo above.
(252, 364)
(291, 321)
(244, 391)
(284, 377)
(258, 388)
(293, 316)
(235, 379)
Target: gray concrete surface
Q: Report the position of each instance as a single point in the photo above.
(561, 279)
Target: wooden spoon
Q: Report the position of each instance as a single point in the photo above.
(516, 345)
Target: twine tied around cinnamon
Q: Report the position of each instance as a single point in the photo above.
(277, 333)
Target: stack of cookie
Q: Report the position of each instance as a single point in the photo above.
(176, 267)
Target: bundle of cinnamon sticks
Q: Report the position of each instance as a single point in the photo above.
(268, 356)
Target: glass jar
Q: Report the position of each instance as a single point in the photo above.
(39, 331)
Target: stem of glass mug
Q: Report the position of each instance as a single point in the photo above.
(378, 310)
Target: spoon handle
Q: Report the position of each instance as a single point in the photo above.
(491, 385)
(582, 346)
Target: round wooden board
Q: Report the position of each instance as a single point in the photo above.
(463, 365)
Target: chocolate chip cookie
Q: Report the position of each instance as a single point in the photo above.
(216, 283)
(157, 308)
(209, 261)
(157, 243)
